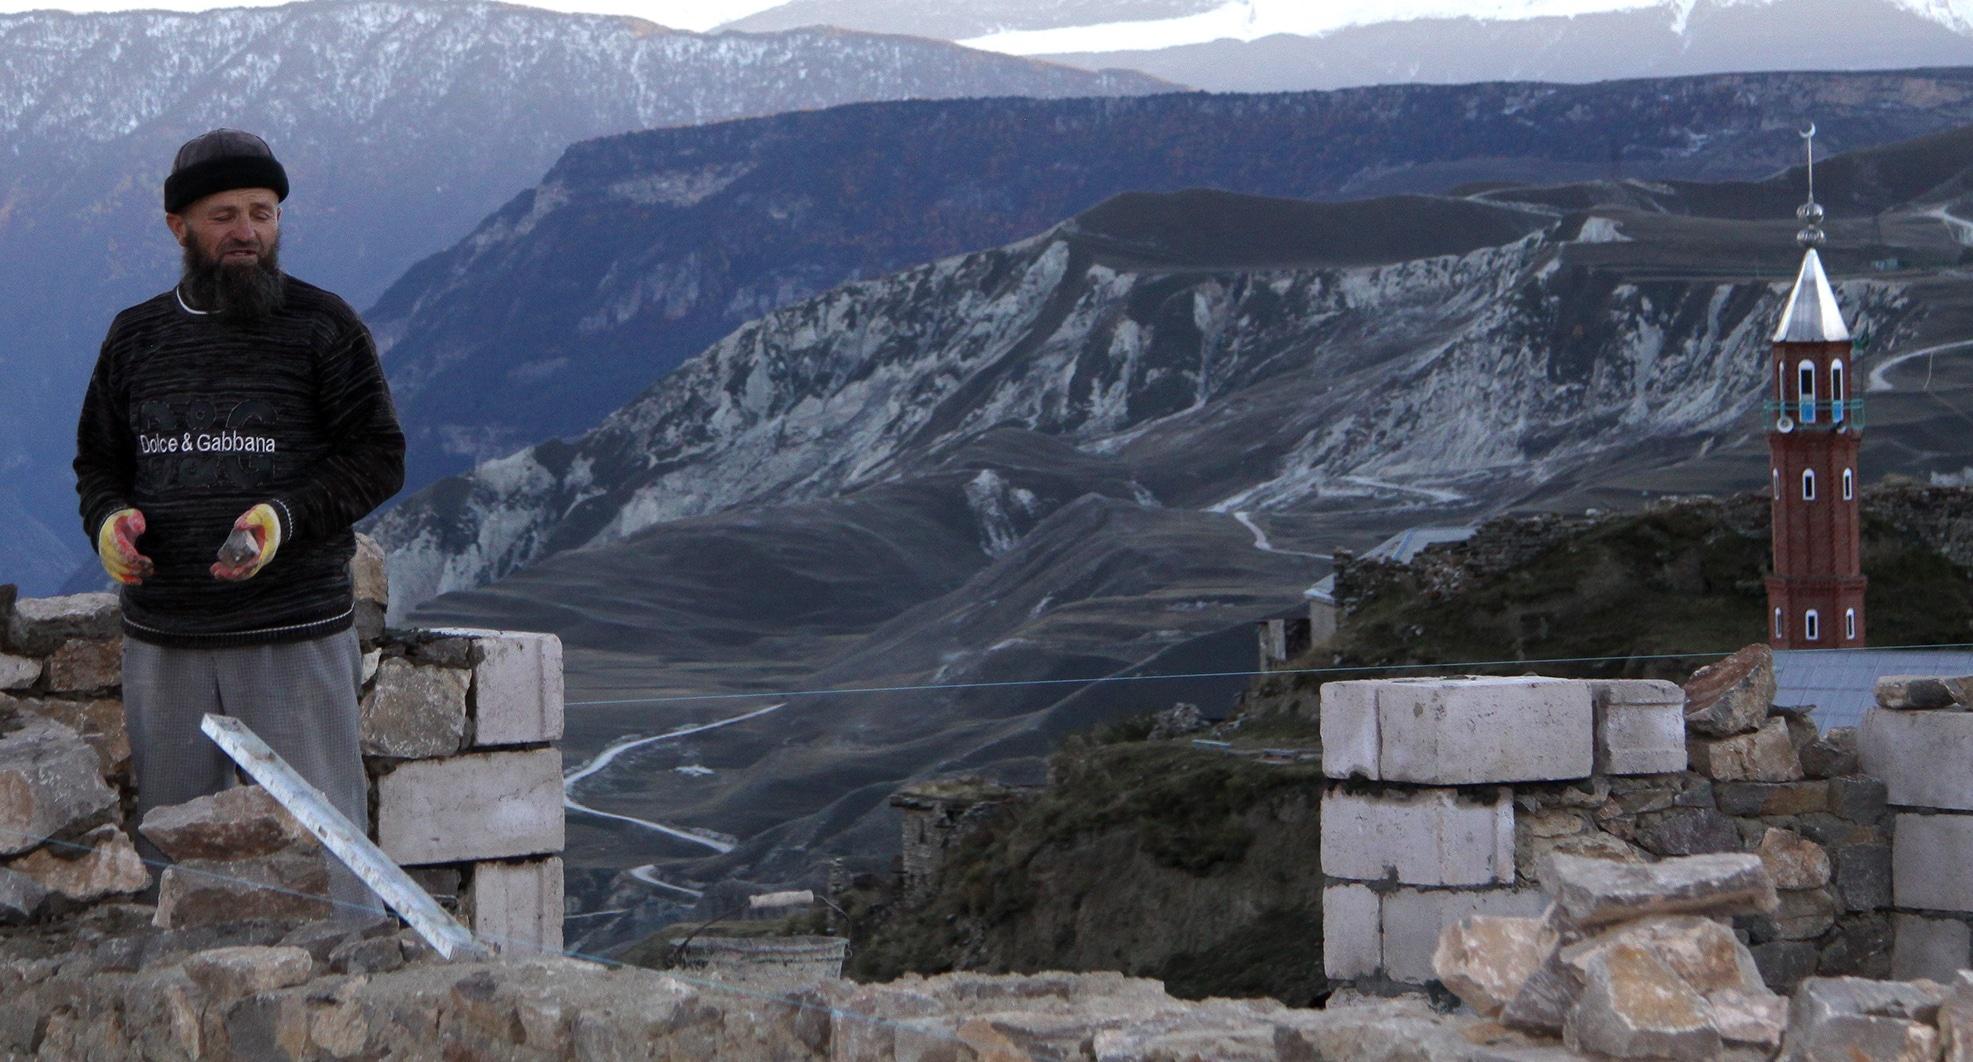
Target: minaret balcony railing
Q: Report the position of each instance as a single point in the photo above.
(1810, 416)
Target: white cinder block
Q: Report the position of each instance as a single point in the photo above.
(517, 689)
(1349, 729)
(491, 805)
(1931, 948)
(1640, 726)
(1922, 757)
(517, 907)
(1352, 932)
(1464, 731)
(1413, 921)
(1424, 837)
(1930, 857)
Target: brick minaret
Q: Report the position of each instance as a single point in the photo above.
(1814, 429)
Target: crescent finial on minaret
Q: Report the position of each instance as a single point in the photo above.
(1810, 211)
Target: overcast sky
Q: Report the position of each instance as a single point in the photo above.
(678, 14)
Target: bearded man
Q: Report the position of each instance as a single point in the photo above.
(235, 428)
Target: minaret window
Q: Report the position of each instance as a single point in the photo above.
(1777, 623)
(1808, 484)
(1850, 623)
(1780, 384)
(1777, 485)
(1812, 625)
(1805, 389)
(1836, 391)
(1849, 485)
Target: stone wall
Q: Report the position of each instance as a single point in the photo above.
(1451, 796)
(459, 733)
(935, 817)
(1919, 738)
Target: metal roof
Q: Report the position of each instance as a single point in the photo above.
(1841, 684)
(1812, 315)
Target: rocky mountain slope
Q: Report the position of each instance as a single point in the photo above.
(1275, 45)
(402, 122)
(899, 527)
(640, 251)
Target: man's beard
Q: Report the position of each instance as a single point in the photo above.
(237, 292)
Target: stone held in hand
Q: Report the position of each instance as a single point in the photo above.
(1593, 892)
(1732, 696)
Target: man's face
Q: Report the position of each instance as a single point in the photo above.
(234, 228)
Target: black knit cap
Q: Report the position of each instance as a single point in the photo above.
(221, 161)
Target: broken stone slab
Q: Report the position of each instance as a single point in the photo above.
(1793, 861)
(1683, 831)
(1640, 726)
(1732, 696)
(1930, 855)
(1845, 1018)
(1923, 693)
(494, 805)
(1458, 731)
(1594, 892)
(415, 712)
(1485, 959)
(1419, 837)
(1703, 952)
(286, 887)
(226, 974)
(84, 665)
(50, 786)
(39, 625)
(18, 672)
(320, 939)
(1921, 757)
(517, 906)
(1935, 949)
(99, 720)
(517, 689)
(1801, 914)
(1765, 755)
(240, 822)
(101, 863)
(1634, 1006)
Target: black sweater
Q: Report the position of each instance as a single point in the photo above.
(193, 419)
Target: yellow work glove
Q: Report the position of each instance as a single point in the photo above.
(116, 545)
(256, 535)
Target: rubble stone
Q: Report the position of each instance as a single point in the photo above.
(1929, 857)
(1863, 876)
(1784, 963)
(1593, 892)
(228, 973)
(1772, 799)
(21, 897)
(370, 576)
(1931, 948)
(1922, 693)
(1640, 726)
(1765, 755)
(1832, 755)
(1686, 832)
(102, 863)
(1860, 947)
(1413, 919)
(39, 625)
(1956, 1019)
(1545, 999)
(1920, 756)
(1859, 799)
(1801, 914)
(1485, 959)
(1843, 1018)
(517, 689)
(83, 666)
(98, 719)
(282, 887)
(1702, 952)
(1755, 1019)
(415, 712)
(1732, 696)
(494, 805)
(236, 823)
(18, 672)
(1634, 1006)
(50, 785)
(1794, 861)
(1418, 837)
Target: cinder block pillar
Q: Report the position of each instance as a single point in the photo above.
(517, 907)
(1919, 742)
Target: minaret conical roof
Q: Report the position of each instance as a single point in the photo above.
(1812, 315)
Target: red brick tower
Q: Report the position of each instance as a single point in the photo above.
(1814, 429)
